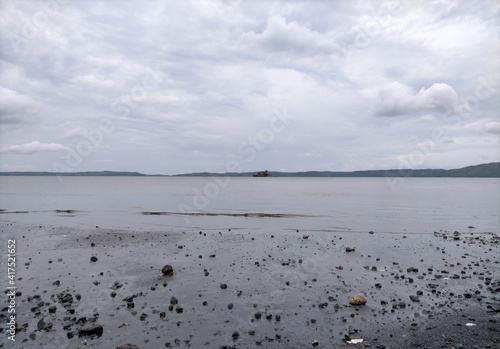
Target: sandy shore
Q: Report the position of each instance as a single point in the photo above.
(241, 289)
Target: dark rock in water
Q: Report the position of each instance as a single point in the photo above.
(173, 301)
(349, 249)
(93, 259)
(223, 286)
(127, 346)
(357, 299)
(167, 270)
(52, 309)
(371, 232)
(91, 331)
(56, 283)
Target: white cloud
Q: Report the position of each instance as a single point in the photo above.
(492, 127)
(398, 99)
(32, 148)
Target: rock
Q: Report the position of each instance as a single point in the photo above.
(174, 301)
(40, 325)
(350, 249)
(93, 259)
(127, 346)
(414, 298)
(91, 331)
(167, 270)
(357, 299)
(371, 232)
(223, 286)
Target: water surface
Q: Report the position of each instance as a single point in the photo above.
(415, 205)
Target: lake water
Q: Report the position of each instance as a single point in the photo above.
(415, 205)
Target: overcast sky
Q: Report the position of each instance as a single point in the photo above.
(188, 86)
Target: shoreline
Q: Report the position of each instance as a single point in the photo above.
(284, 289)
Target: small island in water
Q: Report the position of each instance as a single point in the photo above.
(265, 173)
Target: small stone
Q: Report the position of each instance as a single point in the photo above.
(127, 346)
(167, 270)
(414, 298)
(357, 299)
(350, 249)
(223, 286)
(315, 343)
(93, 259)
(94, 330)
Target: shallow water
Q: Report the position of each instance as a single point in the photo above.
(412, 205)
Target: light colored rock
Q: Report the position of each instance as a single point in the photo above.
(357, 299)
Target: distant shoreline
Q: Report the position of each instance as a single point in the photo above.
(490, 170)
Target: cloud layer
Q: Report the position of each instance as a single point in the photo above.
(182, 86)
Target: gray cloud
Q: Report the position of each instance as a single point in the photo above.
(177, 86)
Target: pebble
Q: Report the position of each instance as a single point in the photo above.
(357, 299)
(167, 270)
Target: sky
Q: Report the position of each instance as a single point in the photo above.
(170, 86)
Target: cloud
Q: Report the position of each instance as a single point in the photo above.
(291, 37)
(492, 127)
(398, 99)
(187, 81)
(14, 107)
(32, 148)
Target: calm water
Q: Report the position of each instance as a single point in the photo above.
(417, 205)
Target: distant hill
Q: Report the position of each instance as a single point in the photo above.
(491, 170)
(483, 170)
(89, 173)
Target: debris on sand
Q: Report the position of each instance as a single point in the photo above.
(167, 270)
(357, 299)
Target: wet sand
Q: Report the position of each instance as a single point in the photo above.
(244, 289)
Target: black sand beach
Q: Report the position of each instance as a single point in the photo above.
(241, 289)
